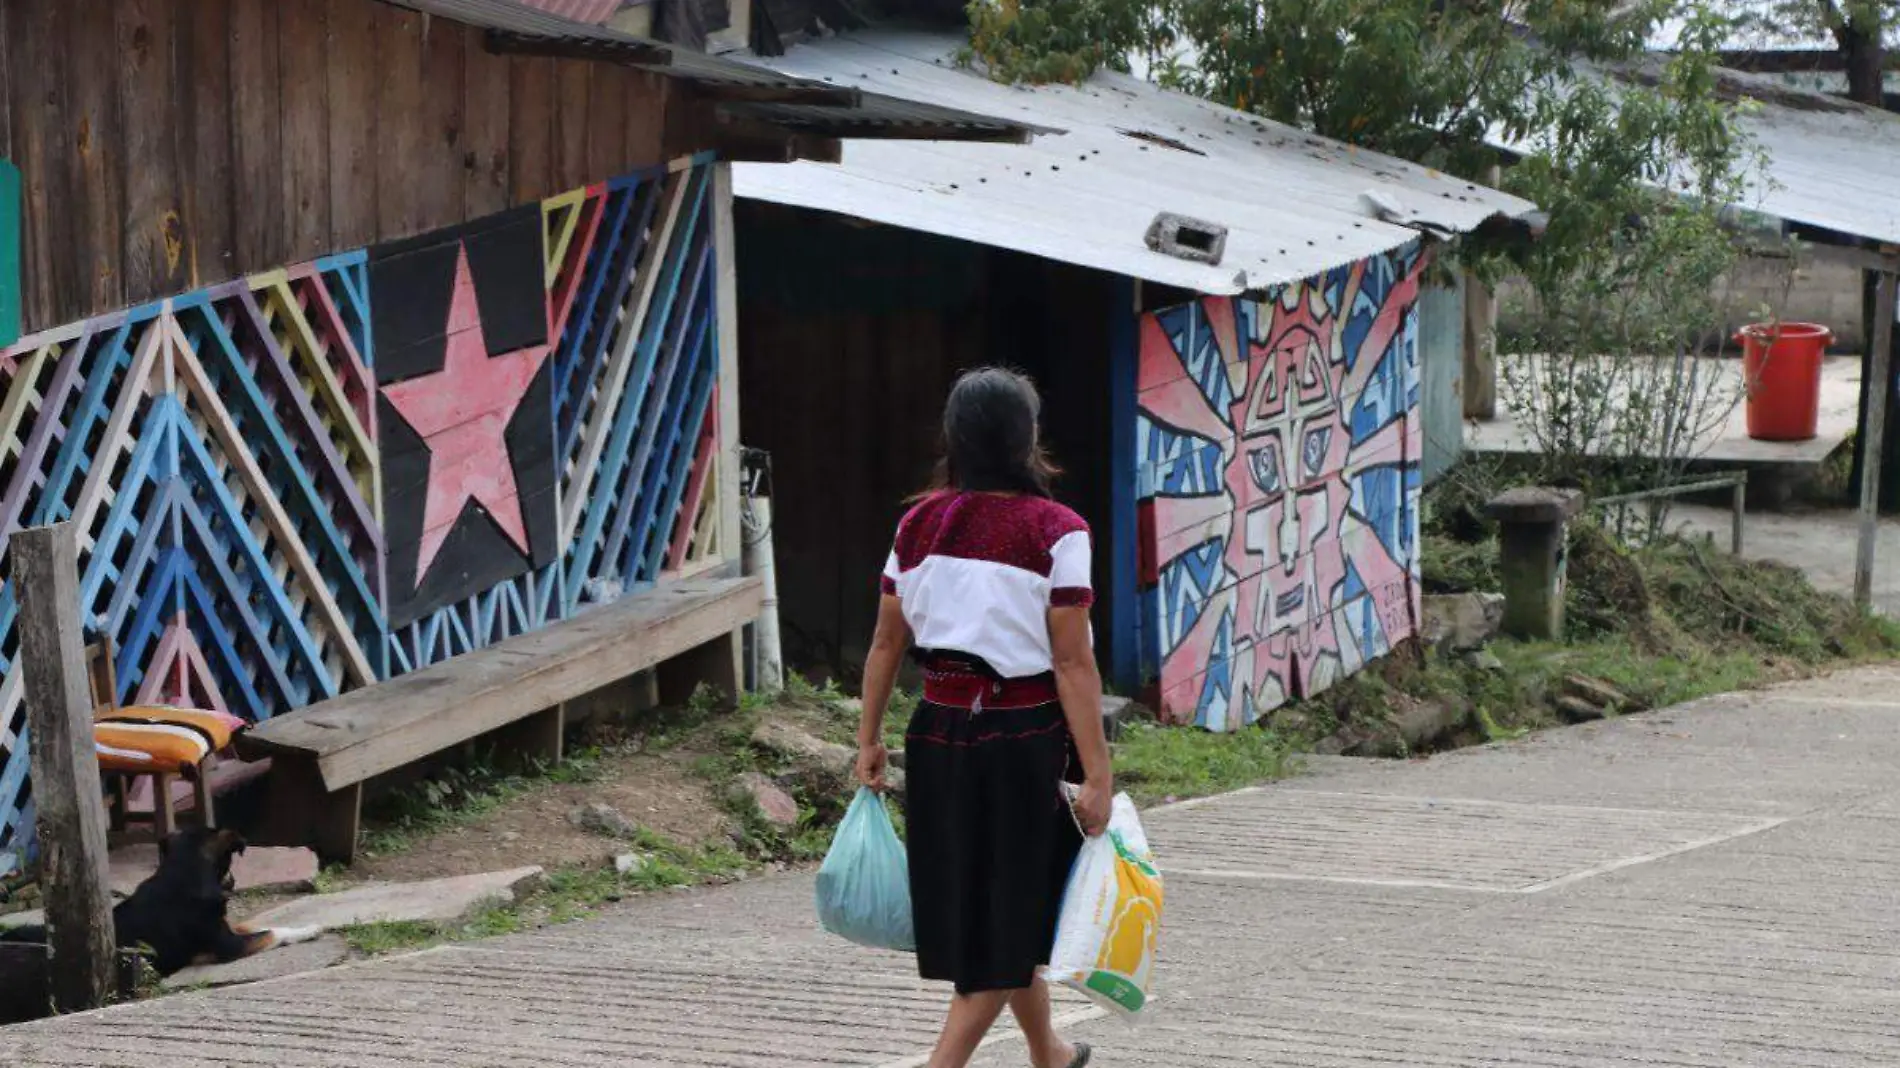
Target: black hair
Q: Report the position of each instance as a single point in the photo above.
(990, 443)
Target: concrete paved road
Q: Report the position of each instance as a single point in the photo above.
(1710, 886)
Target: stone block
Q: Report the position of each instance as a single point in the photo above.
(432, 901)
(271, 964)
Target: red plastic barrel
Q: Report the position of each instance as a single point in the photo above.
(1782, 362)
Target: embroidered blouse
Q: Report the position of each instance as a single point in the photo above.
(978, 572)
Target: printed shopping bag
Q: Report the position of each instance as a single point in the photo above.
(1111, 917)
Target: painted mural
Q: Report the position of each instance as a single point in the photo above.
(1278, 444)
(308, 480)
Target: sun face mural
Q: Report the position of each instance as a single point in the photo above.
(1278, 445)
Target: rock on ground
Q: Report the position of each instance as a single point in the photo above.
(275, 868)
(1119, 712)
(1424, 724)
(434, 901)
(1600, 693)
(774, 804)
(271, 964)
(1461, 622)
(822, 766)
(604, 820)
(1577, 710)
(788, 742)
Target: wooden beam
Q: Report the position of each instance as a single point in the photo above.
(784, 149)
(603, 50)
(1480, 355)
(1865, 259)
(726, 432)
(72, 814)
(742, 139)
(823, 96)
(913, 131)
(1880, 384)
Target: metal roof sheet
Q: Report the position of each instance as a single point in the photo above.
(1831, 163)
(1294, 204)
(578, 10)
(872, 115)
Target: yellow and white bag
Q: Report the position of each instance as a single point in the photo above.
(1111, 917)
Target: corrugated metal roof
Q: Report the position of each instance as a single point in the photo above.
(1831, 163)
(577, 10)
(872, 115)
(1294, 204)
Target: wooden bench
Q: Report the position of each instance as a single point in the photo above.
(323, 754)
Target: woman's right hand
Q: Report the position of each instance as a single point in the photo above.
(1092, 806)
(871, 762)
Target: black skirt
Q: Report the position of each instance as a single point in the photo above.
(991, 840)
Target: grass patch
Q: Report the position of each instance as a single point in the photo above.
(565, 895)
(1664, 622)
(1155, 763)
(1514, 700)
(376, 939)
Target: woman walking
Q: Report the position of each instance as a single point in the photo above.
(989, 585)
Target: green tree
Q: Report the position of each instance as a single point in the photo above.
(1862, 30)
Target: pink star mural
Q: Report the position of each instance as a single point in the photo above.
(462, 413)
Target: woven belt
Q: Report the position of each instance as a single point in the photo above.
(978, 692)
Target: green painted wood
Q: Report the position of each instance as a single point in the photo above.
(9, 253)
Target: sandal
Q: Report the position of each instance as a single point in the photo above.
(1082, 1054)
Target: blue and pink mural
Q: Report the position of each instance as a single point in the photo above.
(1278, 445)
(308, 480)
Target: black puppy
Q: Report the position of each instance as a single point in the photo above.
(180, 912)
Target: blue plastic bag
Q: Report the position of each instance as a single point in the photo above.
(864, 884)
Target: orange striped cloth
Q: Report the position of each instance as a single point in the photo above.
(152, 739)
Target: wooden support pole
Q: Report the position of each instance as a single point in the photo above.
(1878, 384)
(72, 814)
(1481, 331)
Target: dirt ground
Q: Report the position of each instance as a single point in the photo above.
(658, 791)
(645, 769)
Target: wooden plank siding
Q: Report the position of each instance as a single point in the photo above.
(170, 144)
(860, 331)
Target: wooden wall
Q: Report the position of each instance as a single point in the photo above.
(849, 339)
(169, 144)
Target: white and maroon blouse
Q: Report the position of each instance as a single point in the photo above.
(978, 572)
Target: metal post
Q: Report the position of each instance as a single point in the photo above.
(1879, 383)
(759, 560)
(1740, 505)
(72, 815)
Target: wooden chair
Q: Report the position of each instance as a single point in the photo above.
(101, 667)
